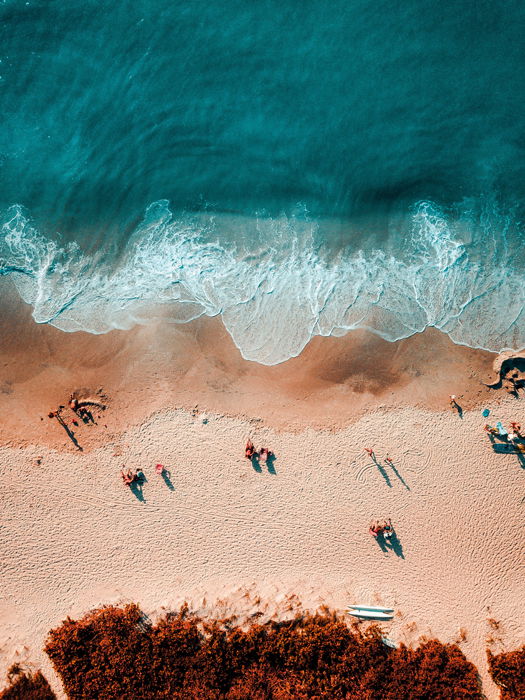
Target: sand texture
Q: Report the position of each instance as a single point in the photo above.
(232, 538)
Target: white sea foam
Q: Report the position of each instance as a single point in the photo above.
(275, 299)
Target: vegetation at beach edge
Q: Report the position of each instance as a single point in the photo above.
(23, 684)
(508, 672)
(117, 652)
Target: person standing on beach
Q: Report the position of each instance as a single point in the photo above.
(455, 405)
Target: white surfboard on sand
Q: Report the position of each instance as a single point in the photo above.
(377, 608)
(368, 614)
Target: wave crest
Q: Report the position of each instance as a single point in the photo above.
(273, 300)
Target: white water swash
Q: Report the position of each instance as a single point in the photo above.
(275, 298)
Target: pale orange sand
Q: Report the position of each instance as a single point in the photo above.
(74, 537)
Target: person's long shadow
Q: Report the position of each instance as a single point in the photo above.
(255, 463)
(382, 471)
(391, 464)
(70, 433)
(381, 542)
(166, 475)
(396, 545)
(136, 489)
(521, 458)
(509, 448)
(136, 486)
(458, 409)
(270, 463)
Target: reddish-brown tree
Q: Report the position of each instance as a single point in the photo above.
(508, 672)
(25, 685)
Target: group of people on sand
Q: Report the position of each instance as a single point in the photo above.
(514, 435)
(131, 477)
(263, 453)
(381, 527)
(79, 407)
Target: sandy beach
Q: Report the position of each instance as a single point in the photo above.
(233, 538)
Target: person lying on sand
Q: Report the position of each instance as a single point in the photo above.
(490, 430)
(388, 530)
(375, 528)
(264, 454)
(128, 477)
(249, 450)
(516, 428)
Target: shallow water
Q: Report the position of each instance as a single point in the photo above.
(299, 169)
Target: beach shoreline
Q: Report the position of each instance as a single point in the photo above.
(197, 367)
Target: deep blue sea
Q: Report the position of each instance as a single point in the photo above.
(300, 168)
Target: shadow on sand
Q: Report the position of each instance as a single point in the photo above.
(136, 487)
(270, 463)
(392, 465)
(509, 448)
(390, 544)
(255, 463)
(166, 475)
(382, 471)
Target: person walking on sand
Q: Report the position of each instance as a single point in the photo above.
(455, 405)
(370, 452)
(389, 460)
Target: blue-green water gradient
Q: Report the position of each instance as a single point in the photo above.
(349, 163)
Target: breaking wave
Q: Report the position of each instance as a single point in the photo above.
(461, 278)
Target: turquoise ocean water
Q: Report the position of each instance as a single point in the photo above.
(299, 168)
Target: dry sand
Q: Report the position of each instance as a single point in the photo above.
(232, 539)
